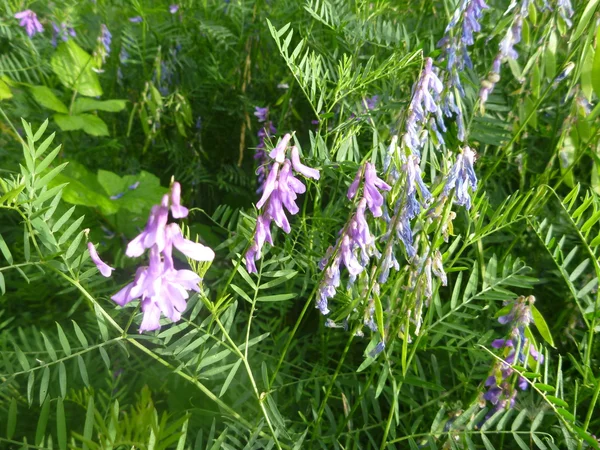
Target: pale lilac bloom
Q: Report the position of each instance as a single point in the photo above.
(136, 19)
(279, 191)
(135, 186)
(173, 8)
(104, 268)
(461, 177)
(30, 22)
(162, 288)
(355, 245)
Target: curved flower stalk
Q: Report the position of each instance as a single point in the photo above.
(267, 131)
(355, 245)
(161, 287)
(516, 349)
(280, 190)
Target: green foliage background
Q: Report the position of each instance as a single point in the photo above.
(251, 365)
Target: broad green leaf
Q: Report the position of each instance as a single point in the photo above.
(74, 68)
(557, 401)
(545, 387)
(45, 97)
(5, 92)
(83, 104)
(89, 123)
(541, 325)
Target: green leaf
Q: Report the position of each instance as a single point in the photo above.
(61, 426)
(230, 377)
(5, 251)
(5, 92)
(596, 65)
(74, 68)
(80, 335)
(88, 427)
(30, 383)
(276, 297)
(241, 293)
(40, 430)
(545, 387)
(63, 340)
(588, 12)
(83, 370)
(83, 104)
(379, 315)
(62, 379)
(11, 423)
(279, 280)
(541, 325)
(2, 284)
(89, 123)
(44, 384)
(566, 414)
(557, 401)
(45, 97)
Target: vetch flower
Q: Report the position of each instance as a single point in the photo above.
(279, 191)
(104, 268)
(63, 32)
(30, 22)
(461, 176)
(136, 19)
(161, 288)
(173, 8)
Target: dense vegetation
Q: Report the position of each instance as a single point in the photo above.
(255, 224)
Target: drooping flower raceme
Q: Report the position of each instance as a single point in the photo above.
(517, 350)
(425, 101)
(280, 190)
(356, 245)
(161, 287)
(461, 177)
(105, 40)
(30, 22)
(61, 32)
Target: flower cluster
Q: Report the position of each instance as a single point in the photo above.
(61, 32)
(161, 287)
(461, 176)
(267, 131)
(425, 102)
(517, 349)
(279, 191)
(455, 52)
(565, 10)
(506, 51)
(356, 244)
(30, 22)
(104, 40)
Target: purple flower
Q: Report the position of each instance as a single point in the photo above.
(30, 22)
(377, 350)
(104, 268)
(425, 101)
(162, 288)
(135, 185)
(105, 39)
(279, 191)
(371, 102)
(173, 8)
(372, 186)
(136, 19)
(117, 196)
(262, 114)
(461, 176)
(63, 32)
